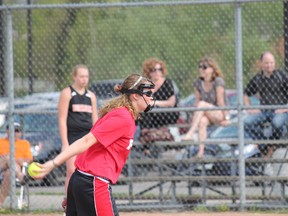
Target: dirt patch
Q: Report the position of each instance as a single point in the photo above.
(190, 213)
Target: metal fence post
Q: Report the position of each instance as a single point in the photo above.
(10, 93)
(285, 27)
(239, 81)
(95, 45)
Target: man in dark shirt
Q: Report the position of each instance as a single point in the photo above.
(271, 85)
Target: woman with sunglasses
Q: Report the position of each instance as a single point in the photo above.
(102, 153)
(209, 90)
(164, 95)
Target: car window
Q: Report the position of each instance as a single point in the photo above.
(188, 101)
(232, 99)
(38, 122)
(254, 100)
(104, 88)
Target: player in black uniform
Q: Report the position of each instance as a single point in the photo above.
(77, 112)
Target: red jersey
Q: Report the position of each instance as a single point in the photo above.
(114, 133)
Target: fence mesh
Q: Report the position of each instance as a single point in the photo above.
(114, 41)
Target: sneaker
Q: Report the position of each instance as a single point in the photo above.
(64, 204)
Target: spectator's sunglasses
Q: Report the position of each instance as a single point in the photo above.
(203, 66)
(157, 69)
(17, 130)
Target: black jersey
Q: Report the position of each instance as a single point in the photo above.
(79, 120)
(273, 90)
(156, 120)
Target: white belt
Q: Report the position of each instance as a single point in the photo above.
(98, 177)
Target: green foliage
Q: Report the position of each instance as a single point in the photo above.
(223, 208)
(201, 209)
(115, 41)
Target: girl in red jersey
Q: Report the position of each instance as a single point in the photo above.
(102, 153)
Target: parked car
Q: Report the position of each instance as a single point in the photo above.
(104, 90)
(45, 142)
(43, 96)
(40, 127)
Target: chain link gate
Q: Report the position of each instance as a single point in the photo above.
(41, 42)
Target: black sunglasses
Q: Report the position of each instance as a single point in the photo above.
(17, 130)
(204, 67)
(147, 93)
(159, 69)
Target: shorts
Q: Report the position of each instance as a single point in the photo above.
(90, 196)
(73, 136)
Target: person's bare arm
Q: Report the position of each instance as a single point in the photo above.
(278, 111)
(20, 161)
(4, 161)
(170, 102)
(75, 148)
(220, 97)
(94, 107)
(247, 102)
(63, 106)
(197, 97)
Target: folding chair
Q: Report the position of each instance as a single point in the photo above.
(23, 200)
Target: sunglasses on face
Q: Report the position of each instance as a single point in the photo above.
(17, 131)
(157, 69)
(147, 93)
(204, 67)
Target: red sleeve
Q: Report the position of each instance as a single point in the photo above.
(113, 126)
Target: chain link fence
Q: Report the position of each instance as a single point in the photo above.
(41, 42)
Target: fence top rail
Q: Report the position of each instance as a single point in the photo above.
(125, 4)
(203, 161)
(202, 178)
(243, 107)
(230, 141)
(172, 109)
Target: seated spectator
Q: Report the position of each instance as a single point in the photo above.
(271, 86)
(164, 96)
(209, 90)
(22, 154)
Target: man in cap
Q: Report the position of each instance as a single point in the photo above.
(22, 154)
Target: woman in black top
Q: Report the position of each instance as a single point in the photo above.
(164, 96)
